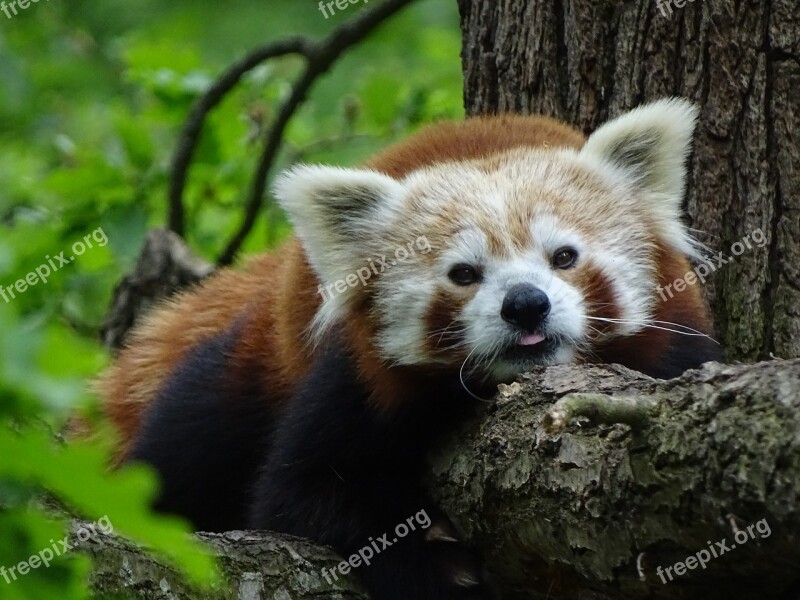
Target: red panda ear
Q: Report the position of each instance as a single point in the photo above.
(338, 214)
(650, 143)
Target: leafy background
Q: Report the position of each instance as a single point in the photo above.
(92, 96)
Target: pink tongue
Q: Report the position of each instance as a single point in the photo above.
(531, 339)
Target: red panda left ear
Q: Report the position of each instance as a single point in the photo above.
(650, 144)
(338, 214)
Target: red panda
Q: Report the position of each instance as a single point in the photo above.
(300, 393)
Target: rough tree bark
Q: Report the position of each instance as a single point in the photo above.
(580, 482)
(584, 480)
(255, 565)
(165, 265)
(585, 61)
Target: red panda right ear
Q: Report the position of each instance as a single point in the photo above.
(340, 215)
(650, 143)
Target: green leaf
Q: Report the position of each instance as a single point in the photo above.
(122, 496)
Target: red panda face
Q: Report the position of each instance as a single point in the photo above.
(529, 257)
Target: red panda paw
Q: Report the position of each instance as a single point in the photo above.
(429, 564)
(464, 575)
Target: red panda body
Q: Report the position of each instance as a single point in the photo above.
(280, 289)
(268, 398)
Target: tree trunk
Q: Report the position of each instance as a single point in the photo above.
(585, 61)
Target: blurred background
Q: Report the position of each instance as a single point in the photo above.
(92, 98)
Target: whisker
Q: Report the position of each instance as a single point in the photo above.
(649, 324)
(464, 385)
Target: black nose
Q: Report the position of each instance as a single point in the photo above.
(526, 306)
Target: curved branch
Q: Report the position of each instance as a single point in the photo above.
(320, 58)
(273, 143)
(193, 127)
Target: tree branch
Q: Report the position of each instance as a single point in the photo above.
(255, 565)
(193, 126)
(564, 502)
(320, 57)
(165, 265)
(587, 509)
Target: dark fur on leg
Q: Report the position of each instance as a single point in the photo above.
(330, 467)
(345, 474)
(206, 439)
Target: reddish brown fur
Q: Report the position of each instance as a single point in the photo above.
(274, 297)
(599, 297)
(475, 138)
(688, 307)
(444, 331)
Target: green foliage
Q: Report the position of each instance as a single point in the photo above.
(92, 99)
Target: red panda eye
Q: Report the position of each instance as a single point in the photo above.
(564, 258)
(464, 275)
